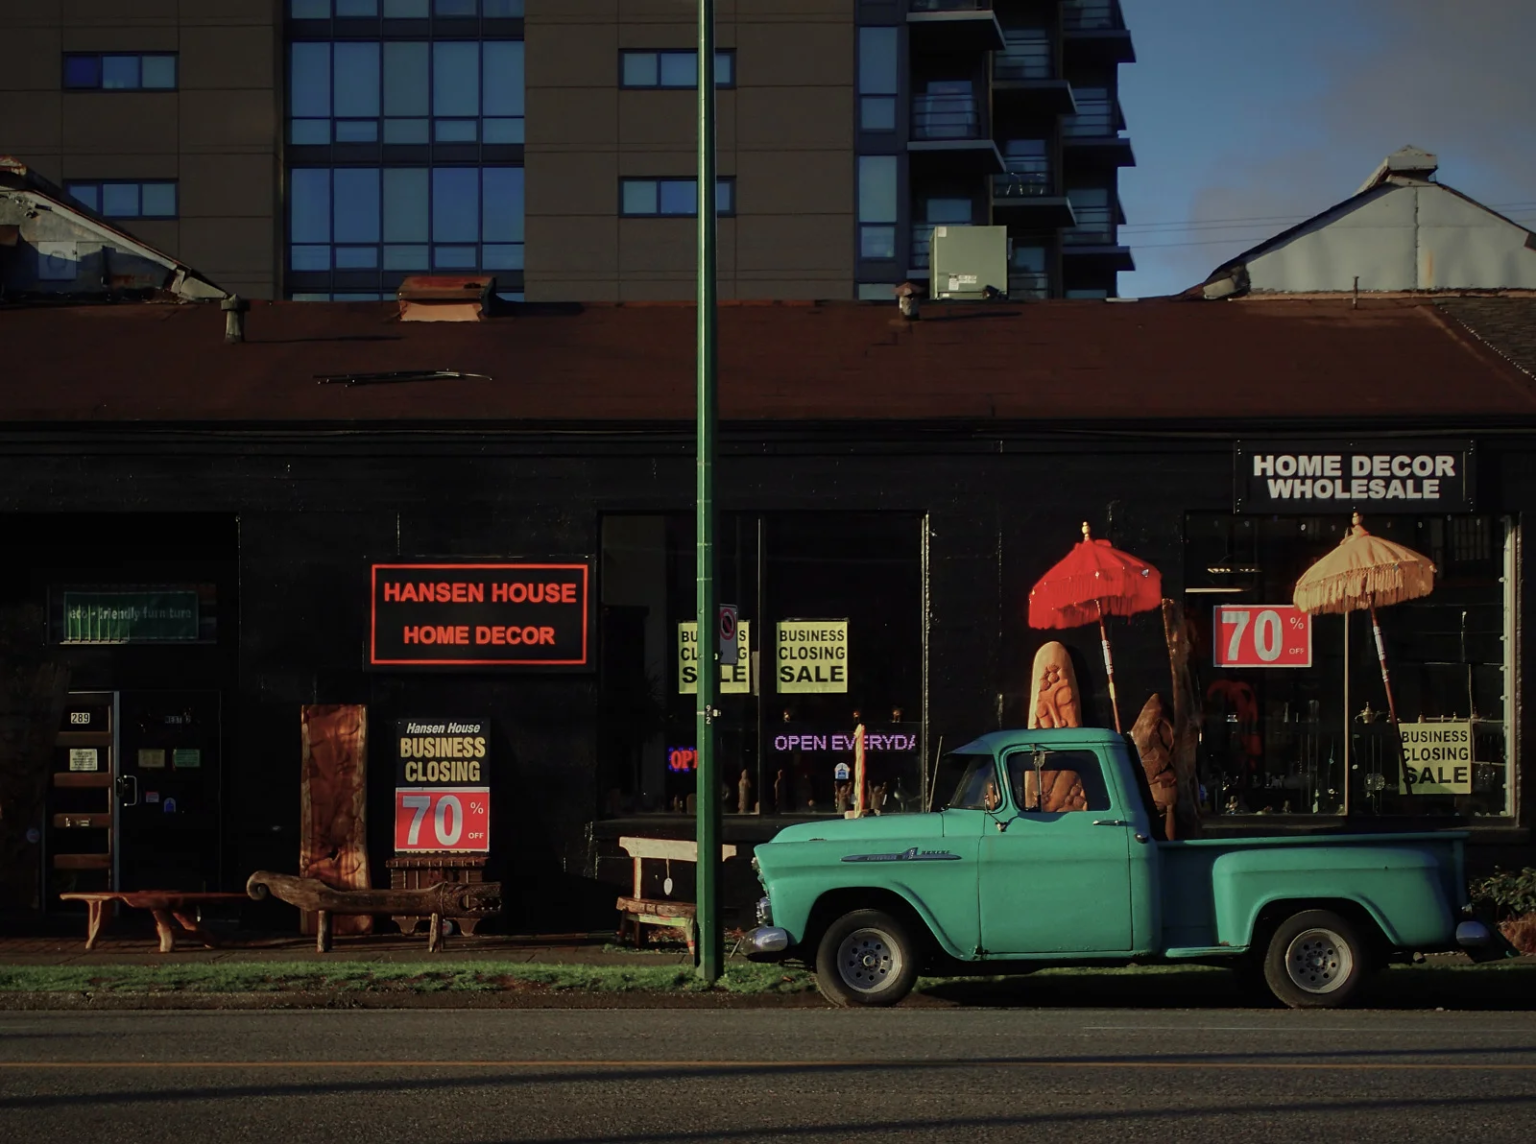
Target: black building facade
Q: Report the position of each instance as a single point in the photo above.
(910, 541)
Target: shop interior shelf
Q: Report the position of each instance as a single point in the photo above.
(82, 861)
(84, 739)
(82, 821)
(82, 779)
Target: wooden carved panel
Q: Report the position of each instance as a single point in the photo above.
(333, 847)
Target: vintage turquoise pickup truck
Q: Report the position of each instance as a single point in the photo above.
(1003, 880)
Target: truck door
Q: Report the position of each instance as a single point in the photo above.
(1056, 878)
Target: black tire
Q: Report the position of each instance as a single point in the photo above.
(1316, 960)
(866, 958)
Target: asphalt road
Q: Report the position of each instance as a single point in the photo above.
(680, 1076)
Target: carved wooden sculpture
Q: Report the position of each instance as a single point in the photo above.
(333, 847)
(1153, 735)
(1053, 700)
(1063, 792)
(1178, 634)
(445, 899)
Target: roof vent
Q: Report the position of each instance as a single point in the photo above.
(444, 298)
(1410, 161)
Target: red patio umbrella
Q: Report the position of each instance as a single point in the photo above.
(1093, 581)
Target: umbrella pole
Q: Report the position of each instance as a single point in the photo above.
(1109, 667)
(1381, 655)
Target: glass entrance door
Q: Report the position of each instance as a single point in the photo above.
(168, 790)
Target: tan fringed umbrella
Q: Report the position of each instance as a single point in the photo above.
(1363, 573)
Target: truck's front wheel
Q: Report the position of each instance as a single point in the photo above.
(1316, 960)
(866, 957)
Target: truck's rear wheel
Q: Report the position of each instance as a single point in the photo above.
(866, 957)
(1316, 960)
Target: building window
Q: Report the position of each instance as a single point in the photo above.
(404, 9)
(673, 69)
(938, 211)
(100, 71)
(877, 206)
(859, 574)
(1095, 213)
(405, 219)
(876, 292)
(1027, 55)
(1028, 276)
(879, 79)
(1316, 739)
(946, 109)
(1027, 173)
(1095, 118)
(648, 198)
(406, 92)
(118, 198)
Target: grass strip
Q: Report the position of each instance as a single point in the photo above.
(408, 977)
(1510, 982)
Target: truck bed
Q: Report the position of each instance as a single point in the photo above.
(1213, 889)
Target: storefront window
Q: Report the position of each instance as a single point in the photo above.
(830, 606)
(1287, 732)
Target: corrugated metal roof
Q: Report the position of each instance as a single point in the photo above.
(1053, 361)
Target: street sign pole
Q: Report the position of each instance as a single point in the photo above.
(707, 792)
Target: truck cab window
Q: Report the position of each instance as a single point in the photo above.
(1071, 780)
(977, 789)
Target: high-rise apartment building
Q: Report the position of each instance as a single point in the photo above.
(329, 148)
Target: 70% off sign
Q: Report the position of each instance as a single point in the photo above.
(1262, 635)
(437, 819)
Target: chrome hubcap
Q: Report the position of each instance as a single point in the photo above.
(868, 960)
(1319, 961)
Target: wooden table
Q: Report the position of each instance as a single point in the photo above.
(166, 906)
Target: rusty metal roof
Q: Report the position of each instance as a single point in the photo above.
(1155, 361)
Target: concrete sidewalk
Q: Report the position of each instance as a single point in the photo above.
(125, 944)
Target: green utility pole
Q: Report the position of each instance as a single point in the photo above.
(707, 792)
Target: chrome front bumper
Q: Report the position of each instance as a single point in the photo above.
(765, 941)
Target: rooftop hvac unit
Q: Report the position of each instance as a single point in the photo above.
(965, 260)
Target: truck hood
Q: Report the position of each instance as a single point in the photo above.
(872, 828)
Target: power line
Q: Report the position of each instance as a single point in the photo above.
(1254, 220)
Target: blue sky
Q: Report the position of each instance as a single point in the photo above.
(1269, 112)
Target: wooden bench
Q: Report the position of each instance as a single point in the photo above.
(637, 910)
(166, 906)
(444, 899)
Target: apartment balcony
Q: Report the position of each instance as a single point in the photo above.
(1028, 284)
(953, 27)
(1024, 80)
(1094, 34)
(1025, 198)
(1093, 247)
(951, 128)
(1090, 137)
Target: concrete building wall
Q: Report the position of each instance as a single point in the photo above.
(217, 134)
(784, 132)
